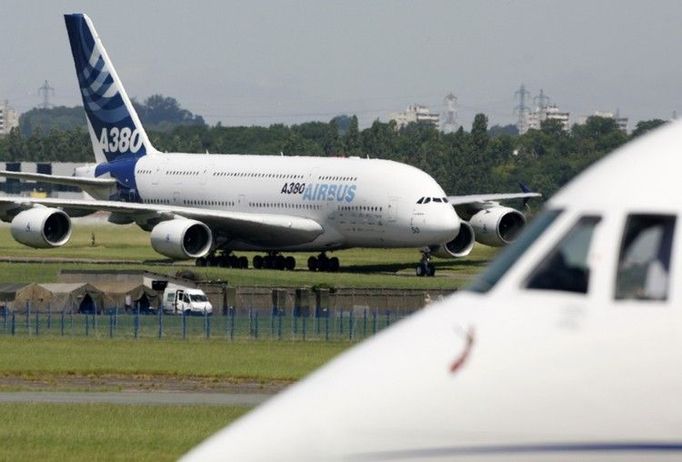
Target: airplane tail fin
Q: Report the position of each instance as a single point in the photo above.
(115, 128)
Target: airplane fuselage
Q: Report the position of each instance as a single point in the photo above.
(358, 202)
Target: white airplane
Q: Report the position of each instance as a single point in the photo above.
(568, 347)
(205, 207)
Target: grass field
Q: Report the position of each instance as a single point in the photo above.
(393, 268)
(38, 431)
(49, 358)
(92, 432)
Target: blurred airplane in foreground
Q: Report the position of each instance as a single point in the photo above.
(569, 346)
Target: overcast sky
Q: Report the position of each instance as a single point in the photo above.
(263, 62)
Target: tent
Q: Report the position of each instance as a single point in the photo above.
(15, 297)
(33, 295)
(76, 298)
(137, 294)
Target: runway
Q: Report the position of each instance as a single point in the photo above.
(160, 398)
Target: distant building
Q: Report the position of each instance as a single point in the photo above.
(541, 114)
(622, 122)
(416, 113)
(9, 118)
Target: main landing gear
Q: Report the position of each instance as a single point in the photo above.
(425, 267)
(323, 263)
(274, 261)
(223, 260)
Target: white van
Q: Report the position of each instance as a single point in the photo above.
(187, 301)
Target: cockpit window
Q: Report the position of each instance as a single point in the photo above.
(427, 200)
(445, 199)
(421, 199)
(565, 268)
(437, 199)
(506, 259)
(644, 260)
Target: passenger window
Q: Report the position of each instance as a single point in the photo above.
(565, 268)
(644, 259)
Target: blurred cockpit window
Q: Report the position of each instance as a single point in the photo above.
(566, 268)
(644, 260)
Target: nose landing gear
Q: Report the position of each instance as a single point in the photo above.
(425, 267)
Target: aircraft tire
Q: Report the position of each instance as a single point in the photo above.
(234, 261)
(243, 262)
(258, 262)
(431, 270)
(280, 262)
(323, 264)
(290, 263)
(333, 264)
(313, 264)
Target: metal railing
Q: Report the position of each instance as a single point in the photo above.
(350, 325)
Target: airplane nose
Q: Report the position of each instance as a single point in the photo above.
(445, 224)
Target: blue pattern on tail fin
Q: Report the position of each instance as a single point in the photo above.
(115, 128)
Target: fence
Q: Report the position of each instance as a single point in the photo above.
(350, 325)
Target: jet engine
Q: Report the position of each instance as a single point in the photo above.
(460, 246)
(497, 226)
(41, 227)
(182, 238)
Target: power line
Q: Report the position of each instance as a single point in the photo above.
(521, 109)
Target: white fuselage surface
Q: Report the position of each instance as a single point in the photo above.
(358, 202)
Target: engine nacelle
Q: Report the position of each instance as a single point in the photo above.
(182, 238)
(41, 227)
(460, 246)
(497, 226)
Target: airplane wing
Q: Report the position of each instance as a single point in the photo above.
(57, 179)
(487, 198)
(249, 227)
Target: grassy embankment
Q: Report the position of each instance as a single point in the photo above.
(49, 358)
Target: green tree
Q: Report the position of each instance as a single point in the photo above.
(644, 126)
(352, 138)
(164, 112)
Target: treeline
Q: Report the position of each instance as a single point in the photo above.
(158, 113)
(480, 160)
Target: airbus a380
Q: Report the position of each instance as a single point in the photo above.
(204, 207)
